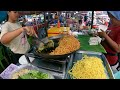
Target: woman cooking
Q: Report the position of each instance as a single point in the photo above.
(13, 35)
(112, 40)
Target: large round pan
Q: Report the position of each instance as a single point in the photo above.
(48, 56)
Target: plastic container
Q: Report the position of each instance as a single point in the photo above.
(30, 67)
(5, 74)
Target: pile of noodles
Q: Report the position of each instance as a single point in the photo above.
(88, 68)
(67, 44)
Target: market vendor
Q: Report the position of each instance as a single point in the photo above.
(112, 39)
(55, 19)
(14, 36)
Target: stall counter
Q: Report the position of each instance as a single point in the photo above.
(54, 31)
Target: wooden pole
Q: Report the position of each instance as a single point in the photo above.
(92, 19)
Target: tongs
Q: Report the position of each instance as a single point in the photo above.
(45, 42)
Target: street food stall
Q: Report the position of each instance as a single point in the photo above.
(62, 56)
(63, 67)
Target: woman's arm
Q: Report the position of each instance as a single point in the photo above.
(111, 43)
(9, 36)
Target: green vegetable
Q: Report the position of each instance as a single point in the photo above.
(50, 44)
(42, 47)
(33, 74)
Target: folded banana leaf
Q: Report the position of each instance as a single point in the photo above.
(84, 44)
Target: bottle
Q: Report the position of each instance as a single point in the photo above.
(58, 24)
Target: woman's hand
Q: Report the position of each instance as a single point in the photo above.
(110, 42)
(102, 34)
(30, 31)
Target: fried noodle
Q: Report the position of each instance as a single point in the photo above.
(67, 44)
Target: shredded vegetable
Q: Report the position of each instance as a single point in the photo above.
(30, 74)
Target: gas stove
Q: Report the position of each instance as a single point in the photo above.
(56, 67)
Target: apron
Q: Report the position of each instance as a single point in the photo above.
(23, 42)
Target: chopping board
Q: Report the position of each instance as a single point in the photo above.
(86, 47)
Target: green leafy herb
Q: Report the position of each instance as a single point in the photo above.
(33, 74)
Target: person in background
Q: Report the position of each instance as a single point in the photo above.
(14, 36)
(85, 19)
(81, 25)
(88, 22)
(38, 21)
(34, 21)
(56, 19)
(81, 17)
(112, 39)
(61, 19)
(24, 21)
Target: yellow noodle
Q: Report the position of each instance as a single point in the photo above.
(88, 68)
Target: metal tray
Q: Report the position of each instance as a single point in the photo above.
(30, 67)
(78, 56)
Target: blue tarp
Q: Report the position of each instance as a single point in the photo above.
(3, 15)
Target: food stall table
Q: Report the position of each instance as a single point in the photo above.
(84, 44)
(53, 31)
(94, 50)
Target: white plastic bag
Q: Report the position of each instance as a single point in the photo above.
(94, 40)
(102, 27)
